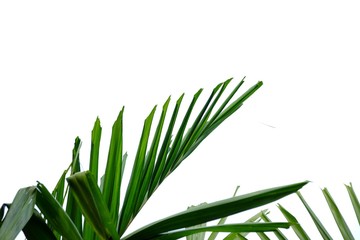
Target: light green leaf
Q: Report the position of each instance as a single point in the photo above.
(354, 200)
(235, 236)
(316, 220)
(19, 213)
(277, 232)
(263, 236)
(299, 231)
(59, 190)
(339, 219)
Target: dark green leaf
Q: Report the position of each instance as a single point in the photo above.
(128, 210)
(113, 173)
(36, 228)
(54, 213)
(214, 211)
(92, 204)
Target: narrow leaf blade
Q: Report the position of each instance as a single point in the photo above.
(215, 210)
(324, 233)
(299, 231)
(339, 219)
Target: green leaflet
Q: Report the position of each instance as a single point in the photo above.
(324, 233)
(277, 232)
(92, 204)
(354, 200)
(36, 228)
(55, 214)
(214, 211)
(19, 213)
(300, 232)
(242, 227)
(339, 219)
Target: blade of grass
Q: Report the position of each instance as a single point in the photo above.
(299, 231)
(339, 219)
(19, 213)
(242, 227)
(55, 214)
(92, 204)
(324, 233)
(214, 211)
(354, 200)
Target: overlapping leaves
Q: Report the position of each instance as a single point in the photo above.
(89, 206)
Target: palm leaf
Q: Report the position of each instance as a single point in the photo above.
(55, 214)
(339, 219)
(19, 213)
(324, 233)
(354, 201)
(299, 231)
(214, 211)
(113, 176)
(92, 204)
(277, 232)
(222, 220)
(36, 228)
(72, 208)
(127, 212)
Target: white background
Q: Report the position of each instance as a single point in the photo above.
(63, 64)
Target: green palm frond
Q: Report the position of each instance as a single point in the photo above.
(84, 206)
